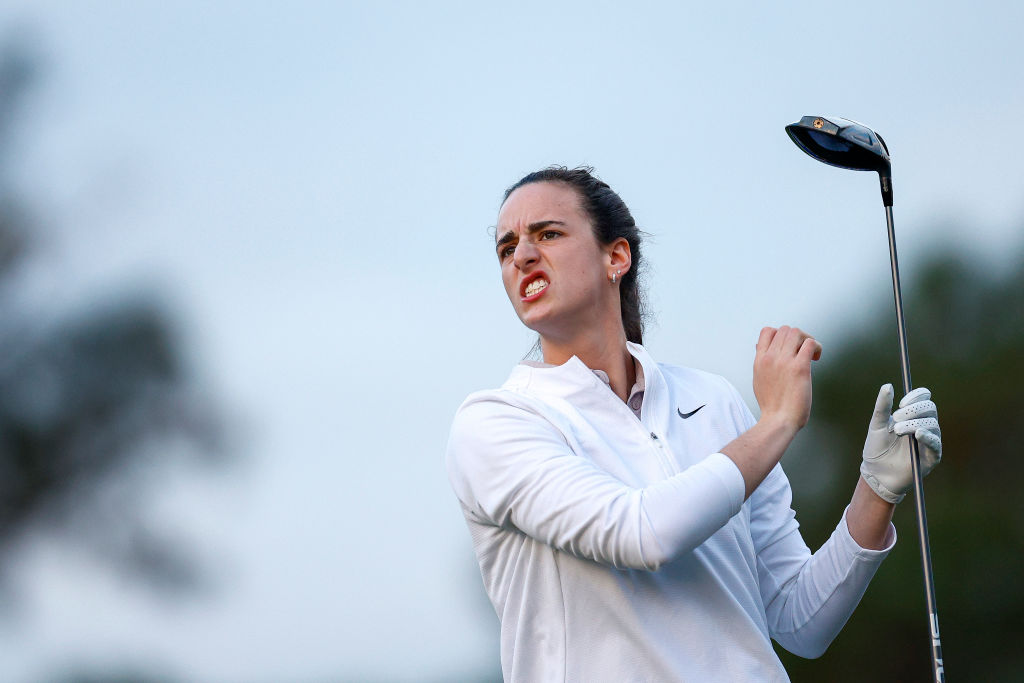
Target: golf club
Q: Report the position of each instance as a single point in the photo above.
(847, 144)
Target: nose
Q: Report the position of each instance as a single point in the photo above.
(525, 254)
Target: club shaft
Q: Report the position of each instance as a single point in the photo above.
(915, 461)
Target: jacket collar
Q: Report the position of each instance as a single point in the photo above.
(560, 381)
(572, 377)
(656, 397)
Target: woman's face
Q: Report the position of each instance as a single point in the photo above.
(555, 272)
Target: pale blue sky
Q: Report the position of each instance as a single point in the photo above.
(311, 184)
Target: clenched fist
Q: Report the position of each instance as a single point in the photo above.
(782, 374)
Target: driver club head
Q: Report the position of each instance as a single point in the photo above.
(841, 142)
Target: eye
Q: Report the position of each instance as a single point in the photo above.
(506, 251)
(549, 234)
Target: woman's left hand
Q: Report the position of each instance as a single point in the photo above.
(886, 466)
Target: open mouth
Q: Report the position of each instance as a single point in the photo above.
(536, 286)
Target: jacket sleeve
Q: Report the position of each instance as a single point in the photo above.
(512, 468)
(808, 598)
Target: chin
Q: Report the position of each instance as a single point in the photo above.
(542, 326)
(532, 320)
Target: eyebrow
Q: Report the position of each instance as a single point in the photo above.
(530, 229)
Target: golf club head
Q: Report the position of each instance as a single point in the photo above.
(841, 142)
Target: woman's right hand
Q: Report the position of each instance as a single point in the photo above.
(782, 375)
(782, 385)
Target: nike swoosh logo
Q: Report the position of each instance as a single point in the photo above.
(689, 414)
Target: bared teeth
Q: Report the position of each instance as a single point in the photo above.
(536, 286)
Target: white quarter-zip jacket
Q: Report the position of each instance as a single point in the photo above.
(620, 549)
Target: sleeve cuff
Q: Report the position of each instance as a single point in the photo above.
(722, 466)
(684, 510)
(853, 548)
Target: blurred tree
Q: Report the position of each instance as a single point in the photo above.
(966, 331)
(86, 403)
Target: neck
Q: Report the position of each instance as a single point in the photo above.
(598, 352)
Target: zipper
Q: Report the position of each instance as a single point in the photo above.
(661, 452)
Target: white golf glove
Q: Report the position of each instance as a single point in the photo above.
(886, 467)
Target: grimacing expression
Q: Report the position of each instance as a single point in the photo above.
(554, 269)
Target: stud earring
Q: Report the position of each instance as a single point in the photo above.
(615, 276)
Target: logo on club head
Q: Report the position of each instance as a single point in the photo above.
(818, 123)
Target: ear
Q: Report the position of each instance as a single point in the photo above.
(620, 258)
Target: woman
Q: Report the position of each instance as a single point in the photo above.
(630, 518)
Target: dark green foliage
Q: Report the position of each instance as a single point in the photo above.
(966, 334)
(90, 401)
(81, 405)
